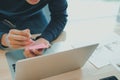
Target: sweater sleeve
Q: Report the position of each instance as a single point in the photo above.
(58, 11)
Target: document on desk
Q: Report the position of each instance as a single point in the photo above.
(108, 49)
(116, 63)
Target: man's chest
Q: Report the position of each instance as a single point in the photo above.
(13, 5)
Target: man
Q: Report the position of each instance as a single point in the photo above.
(21, 18)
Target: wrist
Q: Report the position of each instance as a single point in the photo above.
(42, 40)
(3, 40)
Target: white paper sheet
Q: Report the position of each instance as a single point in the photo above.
(116, 63)
(108, 49)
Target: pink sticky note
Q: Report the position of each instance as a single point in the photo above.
(37, 46)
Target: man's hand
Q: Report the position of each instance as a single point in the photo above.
(16, 38)
(36, 52)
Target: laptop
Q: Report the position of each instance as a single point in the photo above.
(60, 58)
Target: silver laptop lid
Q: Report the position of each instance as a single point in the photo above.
(59, 62)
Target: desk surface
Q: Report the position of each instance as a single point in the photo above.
(87, 32)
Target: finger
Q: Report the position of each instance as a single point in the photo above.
(28, 54)
(28, 32)
(20, 43)
(17, 37)
(37, 52)
(30, 41)
(16, 46)
(18, 32)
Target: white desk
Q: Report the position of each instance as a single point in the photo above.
(77, 32)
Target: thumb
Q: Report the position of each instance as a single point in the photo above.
(27, 31)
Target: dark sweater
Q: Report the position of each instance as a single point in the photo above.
(24, 15)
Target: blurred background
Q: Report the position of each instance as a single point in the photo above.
(80, 10)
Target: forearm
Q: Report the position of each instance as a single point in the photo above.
(54, 29)
(58, 9)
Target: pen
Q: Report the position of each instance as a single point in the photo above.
(8, 23)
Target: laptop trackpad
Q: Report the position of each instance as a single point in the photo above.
(12, 58)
